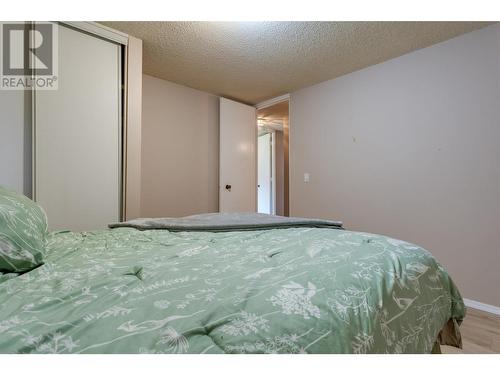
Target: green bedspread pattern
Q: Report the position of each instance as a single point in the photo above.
(301, 290)
(23, 231)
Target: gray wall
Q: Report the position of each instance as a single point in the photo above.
(180, 147)
(411, 148)
(15, 140)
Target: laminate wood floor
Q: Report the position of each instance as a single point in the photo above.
(480, 334)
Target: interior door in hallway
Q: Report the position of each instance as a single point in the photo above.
(237, 157)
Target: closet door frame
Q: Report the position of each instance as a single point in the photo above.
(122, 39)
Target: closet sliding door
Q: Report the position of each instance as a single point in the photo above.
(77, 135)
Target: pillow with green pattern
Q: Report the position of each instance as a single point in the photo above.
(23, 232)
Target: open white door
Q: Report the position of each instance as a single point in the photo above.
(237, 157)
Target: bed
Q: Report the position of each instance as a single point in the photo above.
(291, 288)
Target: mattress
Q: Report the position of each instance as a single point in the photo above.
(286, 290)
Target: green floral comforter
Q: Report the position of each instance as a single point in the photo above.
(299, 290)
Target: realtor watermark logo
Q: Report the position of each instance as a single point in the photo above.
(28, 56)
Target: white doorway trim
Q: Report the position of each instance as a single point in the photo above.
(266, 169)
(99, 30)
(272, 101)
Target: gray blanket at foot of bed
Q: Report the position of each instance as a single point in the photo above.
(225, 222)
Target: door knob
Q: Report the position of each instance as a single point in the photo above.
(228, 187)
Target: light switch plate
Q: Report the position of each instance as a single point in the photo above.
(306, 177)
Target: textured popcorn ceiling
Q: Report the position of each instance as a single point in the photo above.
(255, 61)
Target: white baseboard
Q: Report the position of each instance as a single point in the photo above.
(482, 306)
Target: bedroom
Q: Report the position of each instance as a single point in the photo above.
(387, 186)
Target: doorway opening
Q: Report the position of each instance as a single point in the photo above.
(272, 158)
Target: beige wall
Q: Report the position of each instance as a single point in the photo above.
(179, 150)
(411, 148)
